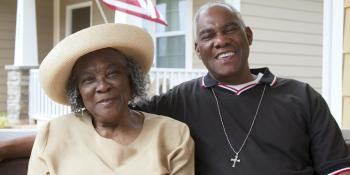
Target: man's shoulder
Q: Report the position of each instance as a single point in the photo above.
(292, 86)
(187, 85)
(290, 82)
(191, 83)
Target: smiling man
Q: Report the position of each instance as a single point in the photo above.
(248, 121)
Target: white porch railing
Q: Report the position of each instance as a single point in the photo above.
(43, 108)
(163, 79)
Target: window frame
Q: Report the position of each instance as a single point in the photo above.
(187, 33)
(69, 10)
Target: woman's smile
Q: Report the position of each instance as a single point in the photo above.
(107, 101)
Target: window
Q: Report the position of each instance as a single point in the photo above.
(171, 40)
(78, 16)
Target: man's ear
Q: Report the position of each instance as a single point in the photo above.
(196, 48)
(249, 34)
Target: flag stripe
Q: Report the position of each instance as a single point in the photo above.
(122, 5)
(133, 8)
(132, 2)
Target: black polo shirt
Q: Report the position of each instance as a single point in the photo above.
(294, 132)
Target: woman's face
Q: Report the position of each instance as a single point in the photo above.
(103, 83)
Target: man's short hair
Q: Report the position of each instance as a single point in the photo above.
(214, 4)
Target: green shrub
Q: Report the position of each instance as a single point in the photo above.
(3, 119)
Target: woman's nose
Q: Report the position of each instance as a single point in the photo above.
(102, 85)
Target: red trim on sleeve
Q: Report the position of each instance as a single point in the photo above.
(343, 170)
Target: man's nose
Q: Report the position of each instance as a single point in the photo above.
(221, 41)
(103, 85)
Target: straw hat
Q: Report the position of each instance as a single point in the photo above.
(56, 67)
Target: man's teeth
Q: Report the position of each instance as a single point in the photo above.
(227, 54)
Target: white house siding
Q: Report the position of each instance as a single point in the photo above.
(7, 44)
(287, 37)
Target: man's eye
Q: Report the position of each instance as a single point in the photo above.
(205, 37)
(231, 30)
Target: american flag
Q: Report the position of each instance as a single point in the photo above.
(141, 8)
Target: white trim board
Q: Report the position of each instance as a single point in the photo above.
(332, 56)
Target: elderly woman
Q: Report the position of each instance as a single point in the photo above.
(98, 71)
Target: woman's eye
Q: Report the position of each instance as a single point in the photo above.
(112, 74)
(87, 80)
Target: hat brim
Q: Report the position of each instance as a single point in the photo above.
(54, 71)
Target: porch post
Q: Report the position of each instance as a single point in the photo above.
(332, 64)
(26, 58)
(26, 49)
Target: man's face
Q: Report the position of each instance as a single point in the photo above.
(223, 44)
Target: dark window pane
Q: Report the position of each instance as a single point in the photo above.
(80, 18)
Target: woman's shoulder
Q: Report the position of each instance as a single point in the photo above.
(54, 128)
(163, 120)
(166, 127)
(65, 128)
(64, 119)
(170, 132)
(64, 124)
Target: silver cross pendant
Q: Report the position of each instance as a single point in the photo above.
(235, 160)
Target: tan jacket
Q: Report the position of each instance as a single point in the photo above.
(70, 145)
